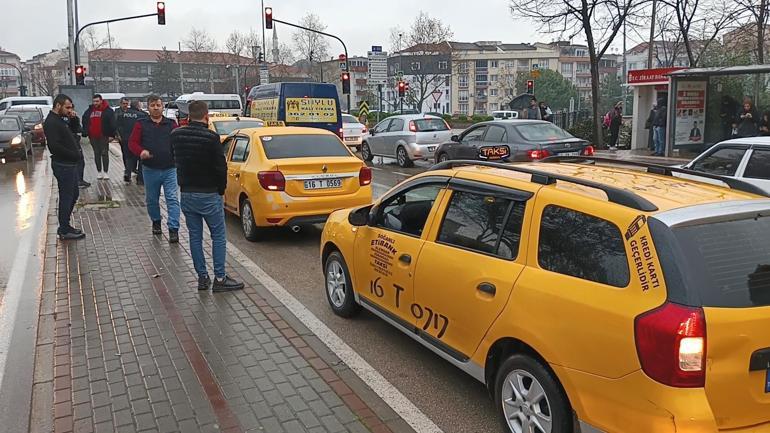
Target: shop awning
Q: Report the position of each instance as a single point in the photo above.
(728, 70)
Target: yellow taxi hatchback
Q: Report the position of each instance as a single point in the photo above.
(291, 176)
(587, 298)
(224, 124)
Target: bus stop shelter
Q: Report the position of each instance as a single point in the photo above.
(703, 104)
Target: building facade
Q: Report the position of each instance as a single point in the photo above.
(360, 90)
(44, 73)
(575, 65)
(10, 79)
(665, 54)
(427, 69)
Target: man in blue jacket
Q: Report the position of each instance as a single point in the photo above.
(151, 141)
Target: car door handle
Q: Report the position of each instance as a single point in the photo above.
(405, 258)
(487, 288)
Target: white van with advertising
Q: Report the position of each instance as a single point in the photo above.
(9, 102)
(218, 103)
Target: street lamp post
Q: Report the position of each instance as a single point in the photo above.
(21, 75)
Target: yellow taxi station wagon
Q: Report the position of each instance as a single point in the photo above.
(586, 297)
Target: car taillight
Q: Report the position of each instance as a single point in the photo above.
(365, 176)
(588, 151)
(39, 126)
(671, 344)
(364, 130)
(272, 180)
(412, 126)
(341, 133)
(536, 154)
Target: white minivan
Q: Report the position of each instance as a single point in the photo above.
(505, 114)
(218, 103)
(9, 102)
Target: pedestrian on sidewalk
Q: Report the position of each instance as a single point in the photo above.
(126, 117)
(659, 128)
(99, 124)
(747, 120)
(73, 120)
(533, 112)
(202, 174)
(151, 141)
(616, 121)
(64, 162)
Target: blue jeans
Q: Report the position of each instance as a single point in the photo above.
(154, 179)
(67, 179)
(659, 137)
(197, 207)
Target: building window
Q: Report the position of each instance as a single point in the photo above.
(544, 63)
(580, 53)
(462, 67)
(482, 108)
(464, 109)
(583, 67)
(415, 66)
(481, 79)
(462, 95)
(493, 92)
(523, 64)
(442, 66)
(493, 63)
(510, 64)
(566, 69)
(481, 94)
(463, 80)
(493, 78)
(481, 64)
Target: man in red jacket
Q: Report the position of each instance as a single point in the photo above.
(99, 124)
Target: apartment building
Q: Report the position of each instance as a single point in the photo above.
(665, 54)
(575, 65)
(484, 73)
(44, 73)
(428, 69)
(9, 75)
(360, 90)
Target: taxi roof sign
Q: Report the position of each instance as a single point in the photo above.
(274, 123)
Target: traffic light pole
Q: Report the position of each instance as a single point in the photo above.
(21, 77)
(77, 35)
(344, 47)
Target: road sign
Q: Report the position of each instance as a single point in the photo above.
(363, 109)
(264, 74)
(535, 66)
(378, 67)
(437, 95)
(535, 74)
(376, 48)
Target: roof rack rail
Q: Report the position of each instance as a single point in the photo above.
(665, 170)
(619, 196)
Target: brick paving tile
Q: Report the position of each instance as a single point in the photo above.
(126, 343)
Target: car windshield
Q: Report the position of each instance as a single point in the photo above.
(430, 125)
(28, 116)
(8, 124)
(302, 146)
(542, 132)
(347, 118)
(227, 127)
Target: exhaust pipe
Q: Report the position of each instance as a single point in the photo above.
(296, 229)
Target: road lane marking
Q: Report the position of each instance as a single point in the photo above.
(376, 168)
(402, 174)
(387, 392)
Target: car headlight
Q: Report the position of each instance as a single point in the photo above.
(16, 140)
(39, 126)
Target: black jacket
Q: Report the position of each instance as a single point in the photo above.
(108, 121)
(60, 140)
(661, 116)
(125, 121)
(200, 160)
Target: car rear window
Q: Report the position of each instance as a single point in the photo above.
(228, 126)
(728, 262)
(28, 116)
(302, 146)
(542, 132)
(347, 118)
(9, 124)
(430, 125)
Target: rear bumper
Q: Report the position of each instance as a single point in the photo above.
(277, 209)
(422, 151)
(353, 143)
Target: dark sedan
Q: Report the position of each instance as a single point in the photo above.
(15, 138)
(512, 140)
(33, 119)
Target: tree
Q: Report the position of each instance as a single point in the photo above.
(598, 20)
(94, 44)
(426, 46)
(165, 75)
(757, 13)
(550, 87)
(311, 46)
(236, 43)
(612, 92)
(203, 46)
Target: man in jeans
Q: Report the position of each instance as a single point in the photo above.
(127, 115)
(64, 162)
(99, 124)
(659, 128)
(150, 141)
(202, 174)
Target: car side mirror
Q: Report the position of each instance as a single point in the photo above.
(455, 138)
(372, 132)
(360, 217)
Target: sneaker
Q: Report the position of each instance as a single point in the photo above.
(71, 236)
(76, 231)
(173, 236)
(83, 184)
(204, 282)
(156, 229)
(226, 284)
(105, 176)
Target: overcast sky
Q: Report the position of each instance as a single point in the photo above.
(41, 25)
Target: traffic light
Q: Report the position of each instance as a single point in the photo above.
(401, 89)
(22, 90)
(406, 86)
(161, 13)
(261, 57)
(268, 18)
(531, 87)
(345, 83)
(80, 75)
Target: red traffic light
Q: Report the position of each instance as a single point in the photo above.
(531, 86)
(79, 70)
(345, 76)
(161, 13)
(80, 75)
(345, 83)
(268, 18)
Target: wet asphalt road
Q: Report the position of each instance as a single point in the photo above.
(17, 201)
(453, 400)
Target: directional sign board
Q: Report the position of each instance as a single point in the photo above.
(363, 109)
(378, 67)
(264, 75)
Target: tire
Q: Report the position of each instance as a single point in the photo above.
(338, 288)
(366, 153)
(515, 409)
(402, 157)
(443, 157)
(250, 230)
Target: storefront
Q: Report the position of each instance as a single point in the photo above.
(649, 85)
(705, 105)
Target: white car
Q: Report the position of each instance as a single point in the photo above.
(353, 131)
(747, 159)
(407, 138)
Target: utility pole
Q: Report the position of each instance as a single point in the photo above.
(179, 60)
(71, 38)
(652, 36)
(115, 83)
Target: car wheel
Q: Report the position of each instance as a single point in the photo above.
(366, 153)
(444, 157)
(339, 289)
(250, 229)
(529, 399)
(403, 158)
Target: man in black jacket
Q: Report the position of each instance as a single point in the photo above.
(127, 115)
(99, 125)
(202, 176)
(74, 123)
(65, 156)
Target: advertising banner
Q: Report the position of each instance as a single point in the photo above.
(301, 110)
(690, 112)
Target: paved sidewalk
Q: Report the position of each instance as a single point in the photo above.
(127, 344)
